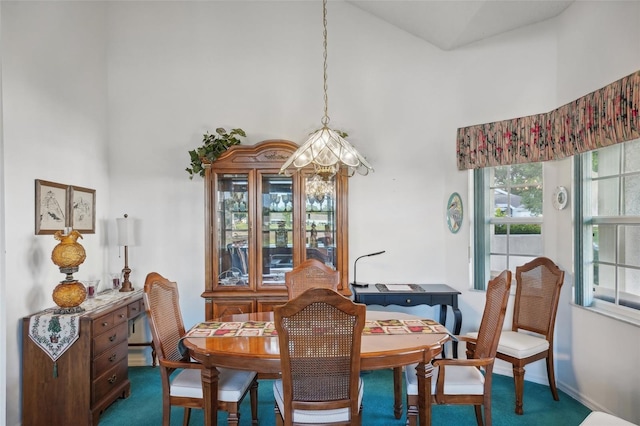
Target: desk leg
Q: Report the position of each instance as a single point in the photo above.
(210, 395)
(424, 371)
(443, 321)
(457, 324)
(397, 392)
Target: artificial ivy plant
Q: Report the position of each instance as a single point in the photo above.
(213, 145)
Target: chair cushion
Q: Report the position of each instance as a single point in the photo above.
(315, 416)
(459, 380)
(232, 384)
(518, 344)
(598, 418)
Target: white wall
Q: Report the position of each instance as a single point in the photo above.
(54, 128)
(598, 43)
(114, 94)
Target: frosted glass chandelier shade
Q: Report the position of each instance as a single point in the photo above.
(327, 151)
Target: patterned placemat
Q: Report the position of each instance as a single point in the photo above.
(267, 328)
(383, 288)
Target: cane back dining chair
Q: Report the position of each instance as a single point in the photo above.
(460, 381)
(181, 378)
(310, 274)
(319, 334)
(530, 339)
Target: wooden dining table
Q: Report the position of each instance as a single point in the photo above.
(262, 354)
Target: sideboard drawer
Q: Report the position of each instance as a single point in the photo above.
(105, 322)
(110, 380)
(110, 338)
(110, 358)
(135, 309)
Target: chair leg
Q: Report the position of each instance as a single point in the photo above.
(487, 413)
(412, 410)
(166, 413)
(253, 396)
(233, 417)
(478, 411)
(518, 379)
(551, 376)
(278, 415)
(187, 416)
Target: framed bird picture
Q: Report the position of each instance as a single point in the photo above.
(454, 212)
(52, 201)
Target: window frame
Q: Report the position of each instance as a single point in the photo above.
(584, 221)
(483, 219)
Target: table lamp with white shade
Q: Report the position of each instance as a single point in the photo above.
(126, 238)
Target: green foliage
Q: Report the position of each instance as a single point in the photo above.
(524, 180)
(213, 145)
(515, 229)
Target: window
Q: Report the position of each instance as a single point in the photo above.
(508, 219)
(608, 229)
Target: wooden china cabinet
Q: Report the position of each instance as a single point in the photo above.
(259, 224)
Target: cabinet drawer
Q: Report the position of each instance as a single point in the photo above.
(110, 338)
(110, 380)
(107, 321)
(407, 299)
(134, 309)
(109, 358)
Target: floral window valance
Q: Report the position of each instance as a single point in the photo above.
(601, 118)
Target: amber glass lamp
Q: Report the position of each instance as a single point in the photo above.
(68, 255)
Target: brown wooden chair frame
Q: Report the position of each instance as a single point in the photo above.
(484, 357)
(328, 313)
(527, 317)
(310, 274)
(167, 327)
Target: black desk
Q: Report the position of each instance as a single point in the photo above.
(420, 294)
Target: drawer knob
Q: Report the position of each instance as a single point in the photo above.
(112, 338)
(121, 315)
(112, 379)
(104, 324)
(408, 300)
(113, 357)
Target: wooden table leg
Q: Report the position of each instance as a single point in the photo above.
(397, 392)
(210, 395)
(424, 371)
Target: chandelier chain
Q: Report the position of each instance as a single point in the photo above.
(325, 118)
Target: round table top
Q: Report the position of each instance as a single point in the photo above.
(262, 354)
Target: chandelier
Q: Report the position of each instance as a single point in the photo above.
(326, 148)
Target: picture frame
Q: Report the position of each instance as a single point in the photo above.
(51, 207)
(454, 211)
(82, 209)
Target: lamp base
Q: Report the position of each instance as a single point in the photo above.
(65, 311)
(126, 286)
(68, 295)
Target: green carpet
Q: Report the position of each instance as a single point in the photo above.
(144, 406)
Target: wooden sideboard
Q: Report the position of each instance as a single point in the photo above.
(91, 374)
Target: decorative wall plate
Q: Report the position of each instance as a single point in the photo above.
(454, 212)
(560, 198)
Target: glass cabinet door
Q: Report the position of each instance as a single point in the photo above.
(277, 228)
(233, 229)
(320, 223)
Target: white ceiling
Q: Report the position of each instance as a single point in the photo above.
(449, 24)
